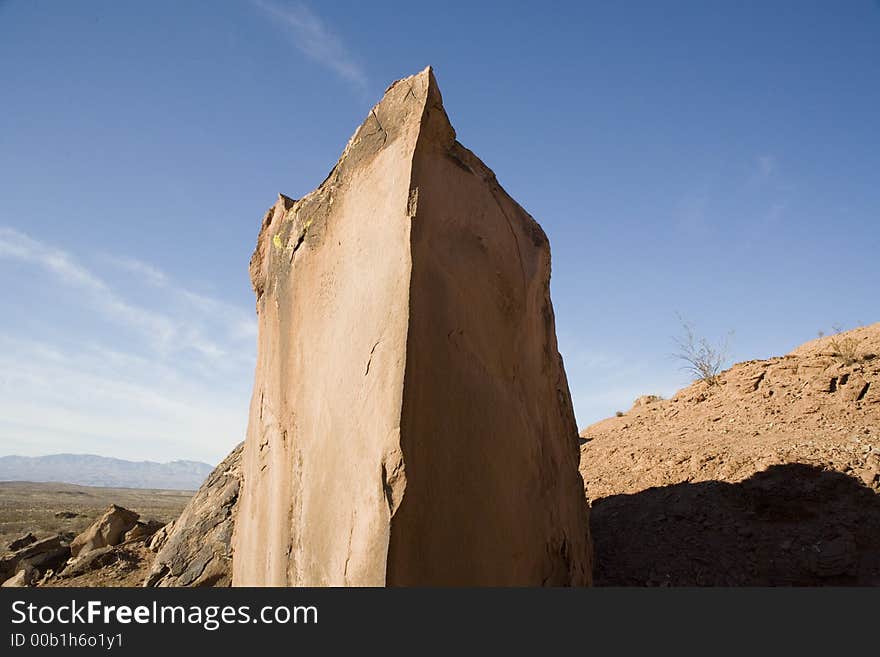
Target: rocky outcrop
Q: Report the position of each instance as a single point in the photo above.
(34, 556)
(142, 530)
(157, 541)
(411, 422)
(196, 550)
(109, 529)
(22, 541)
(10, 562)
(91, 560)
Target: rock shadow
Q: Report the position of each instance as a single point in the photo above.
(790, 525)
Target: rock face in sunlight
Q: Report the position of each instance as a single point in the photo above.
(411, 422)
(108, 530)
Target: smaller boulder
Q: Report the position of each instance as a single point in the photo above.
(49, 560)
(645, 400)
(107, 530)
(143, 530)
(91, 560)
(24, 577)
(22, 541)
(9, 564)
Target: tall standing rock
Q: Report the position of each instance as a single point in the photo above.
(411, 422)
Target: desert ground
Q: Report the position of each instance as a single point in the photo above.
(52, 509)
(55, 508)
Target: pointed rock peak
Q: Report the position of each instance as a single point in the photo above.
(423, 86)
(409, 107)
(285, 202)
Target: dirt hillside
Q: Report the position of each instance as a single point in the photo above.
(769, 477)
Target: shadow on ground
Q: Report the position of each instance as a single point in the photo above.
(790, 525)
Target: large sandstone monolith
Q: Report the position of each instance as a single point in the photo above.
(411, 422)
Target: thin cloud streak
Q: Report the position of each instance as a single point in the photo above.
(168, 372)
(315, 39)
(145, 271)
(111, 403)
(166, 334)
(177, 392)
(18, 246)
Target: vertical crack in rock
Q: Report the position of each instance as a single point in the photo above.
(379, 127)
(348, 554)
(370, 359)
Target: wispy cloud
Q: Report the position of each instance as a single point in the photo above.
(146, 271)
(130, 366)
(317, 41)
(94, 399)
(755, 194)
(167, 333)
(18, 246)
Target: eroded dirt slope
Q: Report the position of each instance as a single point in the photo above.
(769, 477)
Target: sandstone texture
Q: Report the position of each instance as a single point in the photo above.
(196, 549)
(770, 477)
(109, 529)
(411, 422)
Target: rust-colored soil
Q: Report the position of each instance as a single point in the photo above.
(769, 477)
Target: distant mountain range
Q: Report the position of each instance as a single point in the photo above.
(91, 470)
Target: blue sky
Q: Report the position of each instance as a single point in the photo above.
(720, 160)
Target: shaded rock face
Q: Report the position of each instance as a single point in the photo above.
(109, 529)
(143, 530)
(24, 577)
(196, 549)
(22, 541)
(33, 556)
(411, 422)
